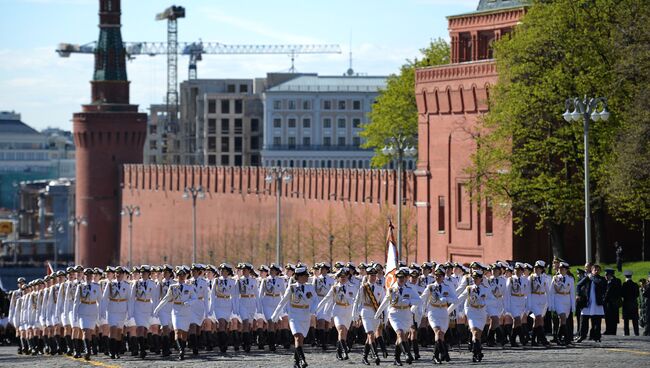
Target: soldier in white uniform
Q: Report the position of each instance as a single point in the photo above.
(181, 296)
(476, 297)
(436, 298)
(53, 315)
(144, 297)
(495, 307)
(200, 307)
(323, 283)
(270, 293)
(562, 300)
(540, 285)
(86, 310)
(248, 302)
(402, 302)
(224, 303)
(417, 284)
(365, 306)
(517, 292)
(14, 312)
(299, 302)
(165, 313)
(115, 307)
(104, 328)
(339, 301)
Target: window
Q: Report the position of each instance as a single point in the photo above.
(152, 144)
(255, 160)
(292, 142)
(341, 141)
(225, 106)
(239, 106)
(238, 144)
(356, 123)
(277, 105)
(243, 88)
(277, 141)
(306, 105)
(212, 160)
(225, 160)
(212, 143)
(441, 214)
(327, 105)
(212, 126)
(327, 141)
(291, 105)
(306, 123)
(342, 105)
(237, 160)
(464, 207)
(327, 123)
(239, 126)
(356, 141)
(212, 106)
(230, 88)
(291, 122)
(488, 217)
(255, 125)
(255, 143)
(341, 123)
(306, 141)
(152, 129)
(225, 144)
(277, 123)
(356, 105)
(225, 126)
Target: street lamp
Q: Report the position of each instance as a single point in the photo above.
(331, 239)
(399, 148)
(193, 193)
(56, 227)
(586, 109)
(130, 210)
(77, 222)
(278, 175)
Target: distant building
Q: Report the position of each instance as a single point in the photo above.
(154, 151)
(314, 121)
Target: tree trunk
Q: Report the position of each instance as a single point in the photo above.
(599, 229)
(557, 239)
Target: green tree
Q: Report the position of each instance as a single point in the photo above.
(394, 112)
(528, 157)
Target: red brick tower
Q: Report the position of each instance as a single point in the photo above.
(108, 132)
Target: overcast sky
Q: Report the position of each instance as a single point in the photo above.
(47, 89)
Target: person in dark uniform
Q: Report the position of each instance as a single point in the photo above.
(591, 290)
(619, 256)
(612, 302)
(579, 301)
(646, 301)
(630, 294)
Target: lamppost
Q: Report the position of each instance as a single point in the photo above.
(56, 227)
(194, 193)
(586, 109)
(77, 222)
(331, 239)
(278, 175)
(399, 148)
(130, 210)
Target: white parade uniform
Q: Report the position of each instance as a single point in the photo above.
(70, 291)
(14, 312)
(562, 295)
(419, 287)
(539, 288)
(270, 292)
(86, 304)
(201, 305)
(224, 298)
(53, 305)
(115, 301)
(322, 284)
(339, 301)
(181, 296)
(401, 302)
(299, 302)
(436, 298)
(144, 297)
(495, 306)
(248, 302)
(476, 297)
(517, 293)
(165, 313)
(20, 308)
(42, 308)
(365, 307)
(32, 310)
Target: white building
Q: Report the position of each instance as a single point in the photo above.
(314, 121)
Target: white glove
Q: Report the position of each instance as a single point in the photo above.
(414, 309)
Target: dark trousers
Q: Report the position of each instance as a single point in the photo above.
(578, 321)
(569, 325)
(594, 332)
(635, 325)
(611, 320)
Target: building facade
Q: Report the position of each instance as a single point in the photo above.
(314, 121)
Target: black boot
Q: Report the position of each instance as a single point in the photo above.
(296, 358)
(103, 344)
(165, 346)
(398, 352)
(87, 349)
(194, 344)
(222, 339)
(499, 336)
(286, 338)
(323, 340)
(416, 349)
(69, 345)
(339, 350)
(513, 336)
(247, 341)
(437, 352)
(235, 340)
(271, 335)
(375, 353)
(141, 348)
(133, 345)
(60, 344)
(490, 338)
(366, 352)
(507, 333)
(407, 351)
(181, 344)
(382, 346)
(301, 356)
(77, 348)
(112, 348)
(445, 351)
(94, 345)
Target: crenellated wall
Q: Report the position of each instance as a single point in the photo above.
(236, 219)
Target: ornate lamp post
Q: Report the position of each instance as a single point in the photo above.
(193, 193)
(130, 210)
(278, 175)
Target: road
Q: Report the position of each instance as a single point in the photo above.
(628, 351)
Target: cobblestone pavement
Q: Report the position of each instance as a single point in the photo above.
(616, 351)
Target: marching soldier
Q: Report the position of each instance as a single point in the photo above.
(418, 316)
(323, 283)
(248, 302)
(144, 297)
(165, 313)
(271, 290)
(562, 301)
(365, 306)
(436, 298)
(538, 302)
(476, 296)
(86, 311)
(115, 307)
(339, 301)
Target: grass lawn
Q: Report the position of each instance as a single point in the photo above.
(639, 270)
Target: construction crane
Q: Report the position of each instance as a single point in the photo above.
(172, 14)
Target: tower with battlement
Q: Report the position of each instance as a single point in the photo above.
(108, 133)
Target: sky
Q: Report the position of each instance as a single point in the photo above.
(47, 89)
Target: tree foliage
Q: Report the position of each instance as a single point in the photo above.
(394, 112)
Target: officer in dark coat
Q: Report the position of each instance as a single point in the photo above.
(630, 294)
(591, 295)
(612, 302)
(579, 300)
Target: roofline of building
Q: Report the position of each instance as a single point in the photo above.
(489, 11)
